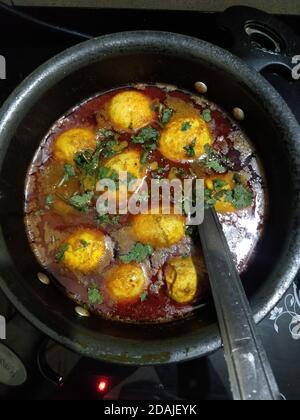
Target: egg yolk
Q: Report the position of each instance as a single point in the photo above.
(85, 249)
(184, 139)
(129, 161)
(181, 279)
(72, 141)
(130, 111)
(225, 182)
(159, 230)
(126, 282)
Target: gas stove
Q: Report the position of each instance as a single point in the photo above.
(33, 367)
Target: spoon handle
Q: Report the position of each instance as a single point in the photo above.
(250, 373)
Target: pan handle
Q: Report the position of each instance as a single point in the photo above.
(250, 373)
(261, 39)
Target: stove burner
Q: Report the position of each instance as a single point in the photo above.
(264, 37)
(12, 369)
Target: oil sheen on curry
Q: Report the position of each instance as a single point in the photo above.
(144, 268)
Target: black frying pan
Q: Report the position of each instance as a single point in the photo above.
(104, 63)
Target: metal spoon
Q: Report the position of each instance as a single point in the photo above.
(250, 373)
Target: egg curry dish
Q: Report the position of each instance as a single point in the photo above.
(142, 268)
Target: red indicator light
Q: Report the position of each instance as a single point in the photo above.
(102, 385)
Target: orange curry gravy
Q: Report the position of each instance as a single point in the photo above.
(51, 221)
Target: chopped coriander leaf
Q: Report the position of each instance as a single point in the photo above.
(209, 151)
(211, 196)
(215, 166)
(49, 201)
(105, 220)
(144, 296)
(105, 133)
(146, 135)
(103, 172)
(215, 160)
(81, 202)
(189, 230)
(165, 114)
(239, 197)
(206, 115)
(69, 172)
(186, 126)
(159, 172)
(145, 156)
(162, 170)
(190, 149)
(237, 178)
(150, 146)
(107, 173)
(138, 254)
(209, 199)
(108, 143)
(83, 158)
(87, 161)
(218, 184)
(110, 149)
(84, 243)
(156, 176)
(219, 194)
(95, 296)
(60, 255)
